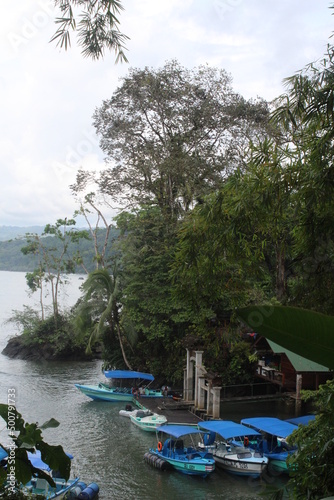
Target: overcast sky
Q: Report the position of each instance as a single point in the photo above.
(48, 96)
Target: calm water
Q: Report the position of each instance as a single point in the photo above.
(107, 448)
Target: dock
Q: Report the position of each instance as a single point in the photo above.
(176, 412)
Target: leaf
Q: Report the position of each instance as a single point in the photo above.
(307, 333)
(7, 412)
(56, 458)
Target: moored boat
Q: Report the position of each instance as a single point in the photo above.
(147, 420)
(302, 420)
(60, 489)
(240, 460)
(272, 442)
(176, 449)
(124, 385)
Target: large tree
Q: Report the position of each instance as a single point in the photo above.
(171, 134)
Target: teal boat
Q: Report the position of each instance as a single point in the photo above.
(177, 450)
(123, 387)
(273, 440)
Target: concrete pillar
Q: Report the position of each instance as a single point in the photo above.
(200, 404)
(189, 383)
(216, 402)
(198, 373)
(299, 384)
(185, 384)
(209, 401)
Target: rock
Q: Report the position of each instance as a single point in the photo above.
(17, 348)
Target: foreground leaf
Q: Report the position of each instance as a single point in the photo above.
(307, 333)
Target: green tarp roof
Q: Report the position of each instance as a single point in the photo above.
(299, 363)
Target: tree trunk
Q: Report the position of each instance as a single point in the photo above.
(122, 348)
(280, 274)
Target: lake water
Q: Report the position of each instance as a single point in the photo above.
(107, 448)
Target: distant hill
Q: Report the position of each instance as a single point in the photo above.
(11, 232)
(12, 259)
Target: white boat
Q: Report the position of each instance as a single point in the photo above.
(147, 420)
(129, 410)
(240, 460)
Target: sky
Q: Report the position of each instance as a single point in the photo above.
(48, 95)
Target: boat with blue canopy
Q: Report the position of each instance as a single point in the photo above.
(123, 386)
(40, 486)
(241, 459)
(272, 443)
(177, 449)
(302, 420)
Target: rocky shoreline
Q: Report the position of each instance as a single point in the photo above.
(17, 348)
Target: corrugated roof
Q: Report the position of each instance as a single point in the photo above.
(299, 363)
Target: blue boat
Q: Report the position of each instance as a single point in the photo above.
(70, 488)
(303, 420)
(176, 450)
(272, 444)
(124, 386)
(241, 460)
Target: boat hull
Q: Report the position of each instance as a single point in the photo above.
(232, 464)
(148, 423)
(189, 466)
(49, 493)
(101, 393)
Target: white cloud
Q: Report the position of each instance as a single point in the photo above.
(47, 96)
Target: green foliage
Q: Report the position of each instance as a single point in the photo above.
(97, 28)
(312, 465)
(171, 134)
(28, 437)
(27, 320)
(98, 311)
(304, 332)
(242, 366)
(148, 308)
(57, 338)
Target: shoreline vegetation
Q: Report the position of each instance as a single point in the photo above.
(17, 348)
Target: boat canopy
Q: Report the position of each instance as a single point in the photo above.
(178, 430)
(37, 462)
(227, 429)
(270, 425)
(3, 453)
(127, 374)
(304, 420)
